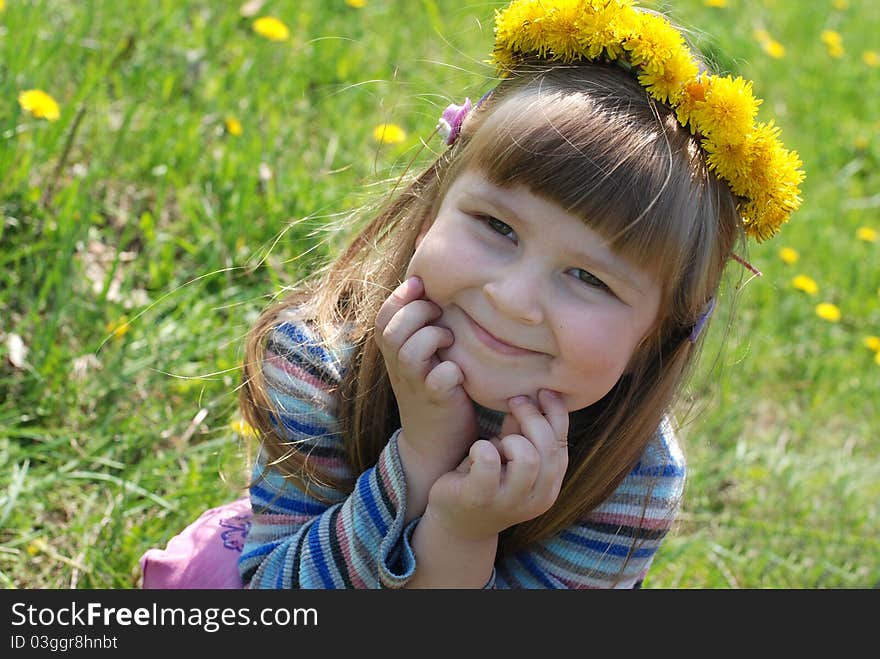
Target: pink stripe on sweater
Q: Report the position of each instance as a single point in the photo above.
(296, 372)
(345, 540)
(633, 521)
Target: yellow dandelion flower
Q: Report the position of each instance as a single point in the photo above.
(871, 58)
(789, 256)
(773, 48)
(357, 4)
(806, 284)
(233, 126)
(728, 111)
(867, 234)
(667, 85)
(840, 4)
(730, 161)
(562, 30)
(118, 328)
(605, 27)
(872, 343)
(828, 311)
(271, 28)
(653, 42)
(715, 3)
(860, 142)
(693, 94)
(389, 134)
(39, 104)
(243, 428)
(34, 547)
(833, 43)
(831, 38)
(2, 5)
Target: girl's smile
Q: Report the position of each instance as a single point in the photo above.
(534, 297)
(493, 342)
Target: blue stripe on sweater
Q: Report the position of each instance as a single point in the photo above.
(317, 555)
(370, 502)
(261, 550)
(535, 571)
(607, 547)
(301, 427)
(313, 348)
(665, 470)
(289, 504)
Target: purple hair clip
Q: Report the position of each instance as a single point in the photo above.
(450, 122)
(698, 326)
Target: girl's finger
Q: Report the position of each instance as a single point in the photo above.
(418, 355)
(484, 478)
(411, 289)
(542, 433)
(521, 469)
(556, 413)
(444, 378)
(406, 322)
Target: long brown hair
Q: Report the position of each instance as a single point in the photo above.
(589, 138)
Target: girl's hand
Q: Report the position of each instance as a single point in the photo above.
(437, 416)
(509, 480)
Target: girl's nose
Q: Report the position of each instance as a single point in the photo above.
(516, 294)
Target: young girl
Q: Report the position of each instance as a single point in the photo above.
(477, 392)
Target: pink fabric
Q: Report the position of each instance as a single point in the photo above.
(203, 555)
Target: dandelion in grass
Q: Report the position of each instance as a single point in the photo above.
(867, 234)
(233, 126)
(773, 48)
(389, 134)
(871, 58)
(860, 142)
(118, 328)
(828, 311)
(789, 256)
(271, 28)
(768, 44)
(357, 4)
(806, 284)
(34, 547)
(833, 42)
(39, 104)
(715, 3)
(872, 343)
(243, 428)
(840, 4)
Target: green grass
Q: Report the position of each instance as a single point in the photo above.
(137, 205)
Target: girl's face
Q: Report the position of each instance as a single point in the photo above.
(535, 299)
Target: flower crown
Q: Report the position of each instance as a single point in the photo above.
(720, 110)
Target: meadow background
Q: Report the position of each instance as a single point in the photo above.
(185, 181)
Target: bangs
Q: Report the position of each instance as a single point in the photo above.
(617, 160)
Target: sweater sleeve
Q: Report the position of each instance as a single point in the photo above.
(297, 538)
(613, 545)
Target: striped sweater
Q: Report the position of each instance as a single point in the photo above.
(359, 540)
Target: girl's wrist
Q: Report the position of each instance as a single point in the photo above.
(459, 534)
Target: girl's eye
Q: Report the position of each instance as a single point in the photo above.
(499, 227)
(590, 279)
